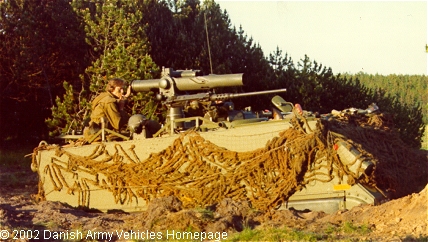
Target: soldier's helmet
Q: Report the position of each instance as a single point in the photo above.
(136, 123)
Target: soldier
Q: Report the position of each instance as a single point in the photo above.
(109, 105)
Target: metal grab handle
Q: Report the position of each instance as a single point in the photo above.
(103, 126)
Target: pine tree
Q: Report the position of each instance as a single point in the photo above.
(120, 49)
(41, 45)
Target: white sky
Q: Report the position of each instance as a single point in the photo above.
(384, 37)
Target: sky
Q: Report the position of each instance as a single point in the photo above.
(375, 37)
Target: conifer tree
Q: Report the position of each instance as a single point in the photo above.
(41, 45)
(120, 49)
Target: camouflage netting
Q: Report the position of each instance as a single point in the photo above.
(400, 169)
(201, 173)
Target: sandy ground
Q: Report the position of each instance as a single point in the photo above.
(21, 217)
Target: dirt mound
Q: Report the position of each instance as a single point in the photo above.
(407, 215)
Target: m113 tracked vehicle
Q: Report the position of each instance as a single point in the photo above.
(207, 151)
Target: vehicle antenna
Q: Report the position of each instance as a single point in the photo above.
(208, 43)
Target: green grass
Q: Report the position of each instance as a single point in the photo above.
(350, 228)
(207, 214)
(275, 234)
(15, 156)
(15, 166)
(345, 232)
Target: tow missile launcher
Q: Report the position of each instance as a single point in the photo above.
(173, 91)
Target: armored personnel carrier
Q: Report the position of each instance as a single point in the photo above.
(207, 151)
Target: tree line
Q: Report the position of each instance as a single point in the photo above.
(407, 89)
(58, 55)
